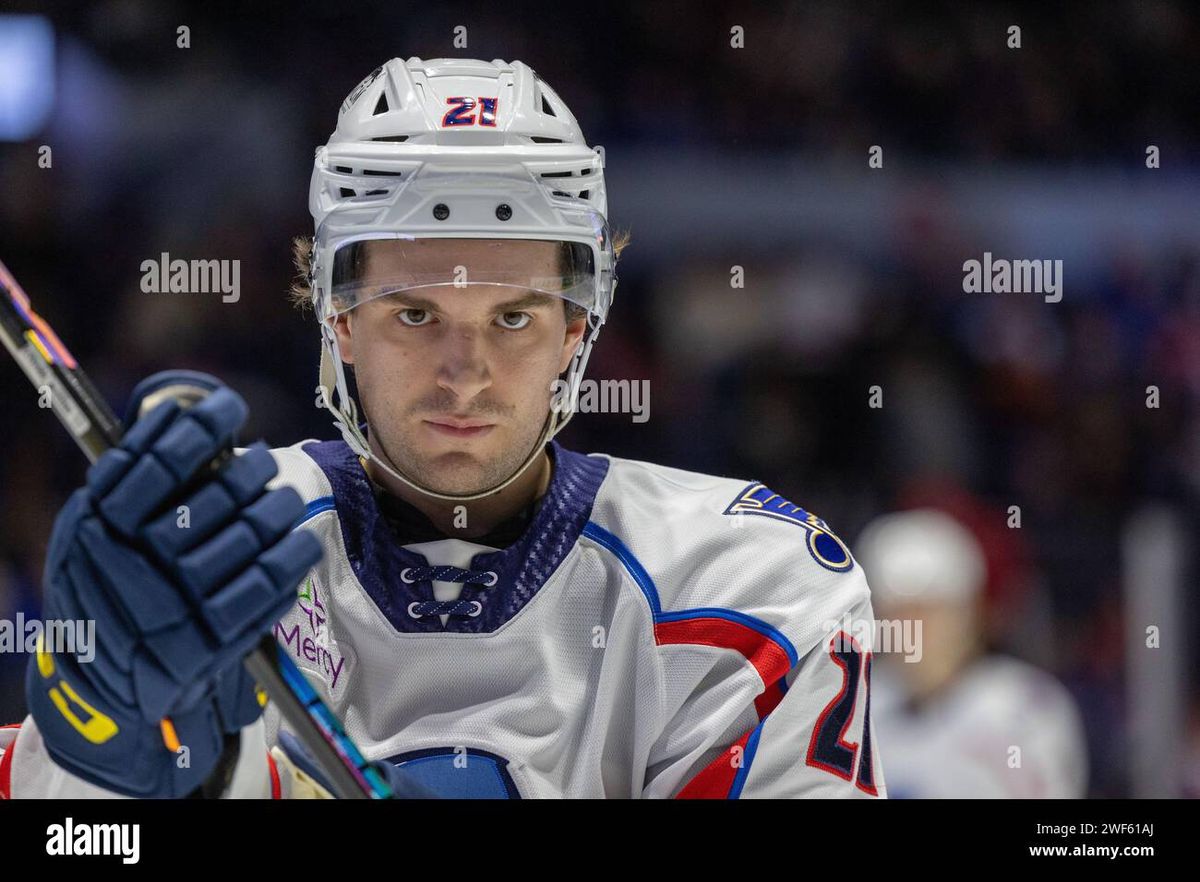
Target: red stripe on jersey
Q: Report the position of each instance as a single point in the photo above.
(768, 700)
(275, 790)
(6, 766)
(767, 656)
(715, 780)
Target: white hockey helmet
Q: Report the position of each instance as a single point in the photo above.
(456, 148)
(922, 555)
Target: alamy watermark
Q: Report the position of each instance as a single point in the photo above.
(75, 637)
(900, 636)
(1002, 276)
(114, 840)
(179, 276)
(603, 396)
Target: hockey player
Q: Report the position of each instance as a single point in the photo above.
(492, 613)
(960, 722)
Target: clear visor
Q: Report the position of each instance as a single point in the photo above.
(366, 269)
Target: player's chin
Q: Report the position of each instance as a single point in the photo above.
(456, 466)
(459, 473)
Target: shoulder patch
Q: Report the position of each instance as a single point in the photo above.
(825, 547)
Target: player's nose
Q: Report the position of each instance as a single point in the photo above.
(463, 367)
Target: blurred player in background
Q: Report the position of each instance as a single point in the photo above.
(957, 721)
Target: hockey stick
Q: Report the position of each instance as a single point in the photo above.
(50, 367)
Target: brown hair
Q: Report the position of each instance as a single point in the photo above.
(300, 292)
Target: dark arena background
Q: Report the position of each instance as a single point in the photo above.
(804, 185)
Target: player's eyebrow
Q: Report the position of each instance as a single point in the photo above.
(530, 299)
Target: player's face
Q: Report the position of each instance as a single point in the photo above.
(456, 382)
(949, 637)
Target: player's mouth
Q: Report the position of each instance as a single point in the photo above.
(456, 428)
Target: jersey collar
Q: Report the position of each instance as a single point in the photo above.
(377, 558)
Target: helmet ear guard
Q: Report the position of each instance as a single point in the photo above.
(456, 149)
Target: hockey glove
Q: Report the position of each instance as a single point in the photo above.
(182, 567)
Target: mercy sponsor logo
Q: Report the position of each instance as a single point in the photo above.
(167, 276)
(315, 648)
(60, 636)
(121, 840)
(1002, 276)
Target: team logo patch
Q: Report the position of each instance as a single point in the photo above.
(826, 548)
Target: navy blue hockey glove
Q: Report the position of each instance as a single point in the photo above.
(183, 567)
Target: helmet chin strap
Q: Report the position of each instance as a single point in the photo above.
(345, 411)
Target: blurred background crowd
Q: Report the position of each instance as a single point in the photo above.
(718, 157)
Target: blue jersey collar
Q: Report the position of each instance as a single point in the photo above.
(377, 558)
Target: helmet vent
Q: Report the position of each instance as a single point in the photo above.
(382, 105)
(349, 193)
(380, 173)
(396, 138)
(538, 139)
(546, 108)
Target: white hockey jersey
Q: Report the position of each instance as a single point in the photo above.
(653, 633)
(1002, 729)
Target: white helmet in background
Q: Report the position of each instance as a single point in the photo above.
(456, 148)
(923, 555)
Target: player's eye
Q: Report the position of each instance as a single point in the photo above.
(515, 321)
(414, 317)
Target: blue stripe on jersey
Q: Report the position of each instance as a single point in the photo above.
(739, 780)
(600, 535)
(610, 541)
(314, 508)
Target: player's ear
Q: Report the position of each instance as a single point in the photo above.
(341, 327)
(574, 334)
